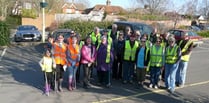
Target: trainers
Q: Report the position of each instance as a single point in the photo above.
(156, 87)
(150, 86)
(131, 82)
(124, 82)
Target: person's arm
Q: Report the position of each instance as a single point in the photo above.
(41, 63)
(148, 57)
(179, 54)
(189, 50)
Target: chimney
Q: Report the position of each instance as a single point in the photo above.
(108, 2)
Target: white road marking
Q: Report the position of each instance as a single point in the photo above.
(4, 51)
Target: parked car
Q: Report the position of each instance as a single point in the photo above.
(191, 35)
(143, 28)
(65, 32)
(27, 33)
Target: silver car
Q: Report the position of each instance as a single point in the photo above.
(27, 33)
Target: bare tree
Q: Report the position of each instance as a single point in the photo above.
(154, 6)
(190, 7)
(204, 8)
(5, 6)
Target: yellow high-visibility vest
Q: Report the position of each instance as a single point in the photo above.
(185, 57)
(130, 53)
(171, 54)
(156, 56)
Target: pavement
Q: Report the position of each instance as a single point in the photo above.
(21, 81)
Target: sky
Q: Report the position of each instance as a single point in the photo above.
(129, 3)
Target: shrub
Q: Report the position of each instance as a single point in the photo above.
(84, 27)
(203, 33)
(13, 21)
(29, 13)
(4, 33)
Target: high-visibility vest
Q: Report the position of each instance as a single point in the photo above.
(156, 56)
(47, 64)
(81, 44)
(117, 34)
(109, 41)
(95, 38)
(184, 49)
(60, 53)
(171, 54)
(130, 53)
(74, 53)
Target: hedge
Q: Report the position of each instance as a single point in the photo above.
(4, 34)
(203, 33)
(84, 27)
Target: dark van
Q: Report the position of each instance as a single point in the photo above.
(143, 28)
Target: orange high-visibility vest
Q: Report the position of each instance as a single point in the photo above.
(74, 53)
(60, 53)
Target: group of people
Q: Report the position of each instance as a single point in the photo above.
(116, 54)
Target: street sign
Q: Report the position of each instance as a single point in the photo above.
(43, 4)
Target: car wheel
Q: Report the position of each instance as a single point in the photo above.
(16, 40)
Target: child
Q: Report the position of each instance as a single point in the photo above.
(46, 63)
(73, 58)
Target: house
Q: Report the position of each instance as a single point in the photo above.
(73, 8)
(108, 9)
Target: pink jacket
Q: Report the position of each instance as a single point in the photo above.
(88, 54)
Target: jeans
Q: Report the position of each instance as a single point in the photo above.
(128, 71)
(154, 75)
(181, 73)
(170, 75)
(72, 72)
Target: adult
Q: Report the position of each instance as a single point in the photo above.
(129, 58)
(59, 49)
(127, 33)
(157, 55)
(142, 61)
(88, 56)
(104, 62)
(114, 33)
(172, 59)
(117, 64)
(186, 46)
(95, 36)
(73, 58)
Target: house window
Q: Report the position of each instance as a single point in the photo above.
(27, 5)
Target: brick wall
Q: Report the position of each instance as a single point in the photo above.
(38, 21)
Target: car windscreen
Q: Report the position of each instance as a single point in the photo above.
(144, 29)
(26, 28)
(190, 33)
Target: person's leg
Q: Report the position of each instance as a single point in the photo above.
(120, 70)
(125, 71)
(138, 75)
(78, 73)
(85, 75)
(152, 71)
(173, 76)
(131, 70)
(70, 77)
(167, 77)
(143, 75)
(99, 75)
(157, 75)
(115, 69)
(74, 77)
(178, 73)
(107, 78)
(183, 73)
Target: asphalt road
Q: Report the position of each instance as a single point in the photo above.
(21, 81)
